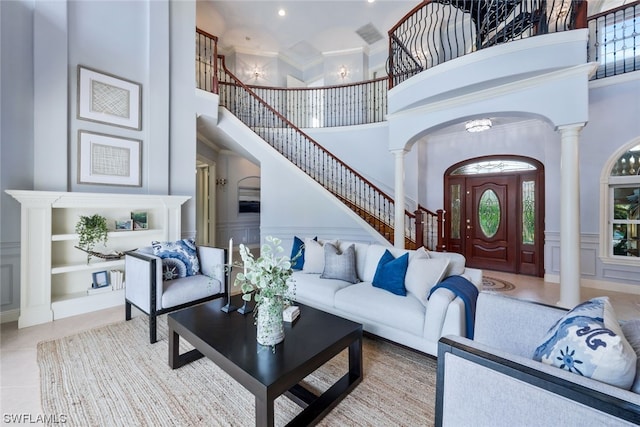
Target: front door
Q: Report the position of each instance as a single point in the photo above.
(494, 216)
(490, 222)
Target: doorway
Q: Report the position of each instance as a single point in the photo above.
(495, 213)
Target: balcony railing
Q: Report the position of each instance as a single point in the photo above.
(437, 31)
(329, 106)
(614, 40)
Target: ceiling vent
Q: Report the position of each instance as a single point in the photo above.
(369, 33)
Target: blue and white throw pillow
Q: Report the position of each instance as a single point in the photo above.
(179, 259)
(588, 341)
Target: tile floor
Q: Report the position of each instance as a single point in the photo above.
(20, 386)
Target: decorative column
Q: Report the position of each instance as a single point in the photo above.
(398, 235)
(569, 216)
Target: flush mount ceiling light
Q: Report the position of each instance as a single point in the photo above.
(478, 125)
(282, 12)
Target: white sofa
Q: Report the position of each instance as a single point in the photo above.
(403, 319)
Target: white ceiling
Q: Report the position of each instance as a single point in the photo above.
(309, 28)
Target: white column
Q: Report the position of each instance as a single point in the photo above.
(398, 235)
(569, 216)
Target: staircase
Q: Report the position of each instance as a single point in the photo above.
(346, 184)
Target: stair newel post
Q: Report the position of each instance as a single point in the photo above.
(419, 228)
(441, 245)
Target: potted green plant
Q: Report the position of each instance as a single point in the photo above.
(268, 280)
(91, 230)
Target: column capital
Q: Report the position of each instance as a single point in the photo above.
(574, 126)
(399, 151)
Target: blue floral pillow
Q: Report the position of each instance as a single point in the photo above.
(179, 259)
(588, 341)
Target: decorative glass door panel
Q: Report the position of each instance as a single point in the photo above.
(488, 223)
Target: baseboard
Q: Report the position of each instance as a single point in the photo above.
(598, 284)
(9, 315)
(610, 286)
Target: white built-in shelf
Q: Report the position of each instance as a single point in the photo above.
(111, 234)
(48, 291)
(93, 265)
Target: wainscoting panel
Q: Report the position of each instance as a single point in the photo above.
(9, 281)
(594, 272)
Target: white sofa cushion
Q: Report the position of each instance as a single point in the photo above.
(456, 262)
(310, 287)
(314, 255)
(365, 301)
(423, 274)
(188, 289)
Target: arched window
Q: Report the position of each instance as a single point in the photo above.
(620, 241)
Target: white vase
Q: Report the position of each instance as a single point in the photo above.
(270, 328)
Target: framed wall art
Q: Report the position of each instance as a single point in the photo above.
(109, 160)
(109, 99)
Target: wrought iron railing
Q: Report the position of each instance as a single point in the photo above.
(363, 197)
(430, 228)
(614, 40)
(329, 106)
(437, 31)
(206, 52)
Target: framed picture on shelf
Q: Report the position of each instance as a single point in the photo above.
(109, 160)
(126, 224)
(100, 279)
(106, 98)
(140, 220)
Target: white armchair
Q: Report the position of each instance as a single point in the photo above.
(147, 291)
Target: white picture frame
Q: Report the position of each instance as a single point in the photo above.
(109, 99)
(109, 160)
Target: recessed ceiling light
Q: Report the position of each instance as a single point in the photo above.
(370, 1)
(282, 12)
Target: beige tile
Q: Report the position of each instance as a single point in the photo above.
(19, 368)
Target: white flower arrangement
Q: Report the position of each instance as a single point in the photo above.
(269, 276)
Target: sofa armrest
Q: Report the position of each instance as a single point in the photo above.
(212, 262)
(474, 275)
(437, 315)
(143, 275)
(517, 390)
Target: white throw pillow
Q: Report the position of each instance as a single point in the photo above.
(423, 274)
(314, 255)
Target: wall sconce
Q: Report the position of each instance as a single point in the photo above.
(478, 125)
(343, 72)
(256, 73)
(221, 181)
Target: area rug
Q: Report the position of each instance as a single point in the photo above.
(113, 376)
(496, 285)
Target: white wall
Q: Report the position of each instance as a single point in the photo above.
(42, 43)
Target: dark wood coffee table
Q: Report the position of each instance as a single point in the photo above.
(229, 340)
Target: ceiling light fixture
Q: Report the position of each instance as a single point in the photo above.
(478, 125)
(282, 12)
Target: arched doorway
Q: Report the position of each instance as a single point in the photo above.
(495, 213)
